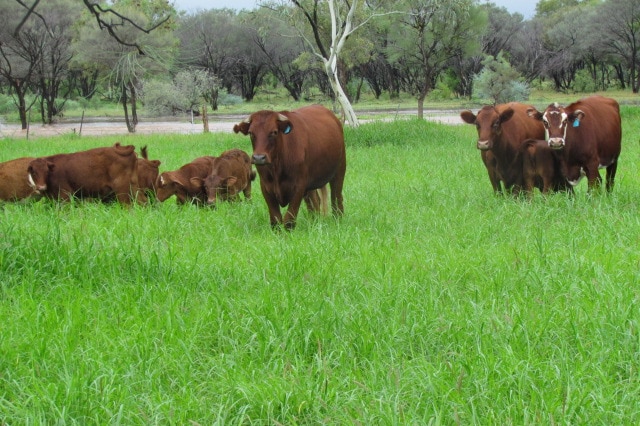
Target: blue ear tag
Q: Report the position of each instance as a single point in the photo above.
(576, 122)
(287, 130)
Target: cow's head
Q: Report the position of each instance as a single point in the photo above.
(172, 183)
(556, 120)
(488, 122)
(217, 187)
(265, 128)
(37, 174)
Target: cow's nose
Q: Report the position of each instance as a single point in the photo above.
(259, 159)
(556, 143)
(483, 145)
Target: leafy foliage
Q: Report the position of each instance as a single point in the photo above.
(499, 82)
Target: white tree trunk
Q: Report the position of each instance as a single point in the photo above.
(331, 64)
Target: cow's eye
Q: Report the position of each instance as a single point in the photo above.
(545, 123)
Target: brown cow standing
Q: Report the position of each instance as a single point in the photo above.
(588, 134)
(14, 183)
(541, 167)
(186, 182)
(100, 173)
(501, 130)
(295, 153)
(148, 171)
(231, 174)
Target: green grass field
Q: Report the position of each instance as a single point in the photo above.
(431, 301)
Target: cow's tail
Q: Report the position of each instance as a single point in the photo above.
(324, 199)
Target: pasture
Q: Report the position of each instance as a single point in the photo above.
(431, 301)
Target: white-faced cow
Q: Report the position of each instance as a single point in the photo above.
(501, 131)
(297, 152)
(101, 173)
(588, 134)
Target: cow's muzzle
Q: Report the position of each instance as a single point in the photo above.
(556, 143)
(483, 145)
(259, 159)
(37, 188)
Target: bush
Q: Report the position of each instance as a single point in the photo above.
(499, 82)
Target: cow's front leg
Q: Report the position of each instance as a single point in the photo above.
(275, 216)
(292, 211)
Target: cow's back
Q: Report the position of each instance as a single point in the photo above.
(320, 131)
(600, 131)
(520, 127)
(96, 173)
(14, 179)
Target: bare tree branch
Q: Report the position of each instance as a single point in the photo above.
(30, 10)
(98, 12)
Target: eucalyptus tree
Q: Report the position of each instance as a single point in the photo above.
(564, 35)
(250, 66)
(21, 52)
(499, 36)
(208, 41)
(53, 69)
(281, 47)
(619, 21)
(126, 54)
(327, 26)
(528, 53)
(429, 36)
(35, 52)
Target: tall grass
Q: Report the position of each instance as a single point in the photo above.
(430, 301)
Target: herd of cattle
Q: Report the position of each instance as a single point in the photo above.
(523, 148)
(296, 153)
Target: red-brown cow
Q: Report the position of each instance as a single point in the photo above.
(101, 173)
(148, 171)
(588, 134)
(501, 131)
(295, 153)
(231, 174)
(541, 168)
(186, 182)
(14, 183)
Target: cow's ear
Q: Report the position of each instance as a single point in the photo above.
(468, 117)
(506, 115)
(285, 126)
(196, 181)
(230, 181)
(242, 127)
(575, 117)
(534, 113)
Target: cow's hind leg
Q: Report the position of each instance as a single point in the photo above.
(611, 175)
(317, 200)
(336, 191)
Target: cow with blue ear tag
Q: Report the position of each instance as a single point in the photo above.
(296, 154)
(588, 136)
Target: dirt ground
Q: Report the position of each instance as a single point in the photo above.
(98, 128)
